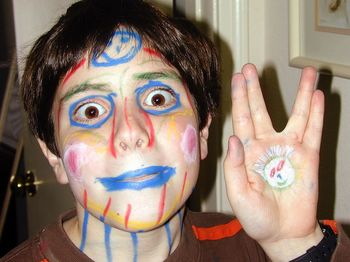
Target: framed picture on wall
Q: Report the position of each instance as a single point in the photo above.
(319, 35)
(333, 16)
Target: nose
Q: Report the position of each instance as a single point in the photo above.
(132, 129)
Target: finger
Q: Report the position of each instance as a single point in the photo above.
(241, 117)
(313, 132)
(301, 109)
(234, 169)
(261, 119)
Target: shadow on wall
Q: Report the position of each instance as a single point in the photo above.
(208, 167)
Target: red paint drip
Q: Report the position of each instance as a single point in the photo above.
(111, 139)
(161, 204)
(151, 129)
(126, 114)
(152, 52)
(127, 215)
(85, 199)
(107, 207)
(73, 70)
(183, 185)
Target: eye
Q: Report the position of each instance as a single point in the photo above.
(157, 98)
(160, 98)
(89, 111)
(92, 111)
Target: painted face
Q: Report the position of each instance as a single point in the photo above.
(128, 135)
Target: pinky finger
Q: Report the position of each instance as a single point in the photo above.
(313, 132)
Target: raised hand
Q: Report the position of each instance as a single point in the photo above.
(272, 177)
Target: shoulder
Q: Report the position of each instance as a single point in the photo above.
(27, 251)
(222, 237)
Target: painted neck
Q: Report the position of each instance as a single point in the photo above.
(102, 242)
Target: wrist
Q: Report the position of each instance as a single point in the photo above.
(324, 250)
(291, 248)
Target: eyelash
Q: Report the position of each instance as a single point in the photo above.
(105, 102)
(143, 92)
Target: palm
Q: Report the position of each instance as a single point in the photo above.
(272, 180)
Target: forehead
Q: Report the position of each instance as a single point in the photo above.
(126, 53)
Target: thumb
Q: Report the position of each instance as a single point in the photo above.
(234, 169)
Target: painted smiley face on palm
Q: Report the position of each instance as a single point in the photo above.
(127, 131)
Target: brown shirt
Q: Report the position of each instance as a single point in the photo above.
(206, 237)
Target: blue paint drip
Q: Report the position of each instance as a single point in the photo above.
(108, 242)
(161, 175)
(84, 230)
(168, 234)
(124, 37)
(135, 245)
(180, 220)
(151, 84)
(98, 124)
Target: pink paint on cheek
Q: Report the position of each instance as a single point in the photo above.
(72, 161)
(76, 156)
(189, 144)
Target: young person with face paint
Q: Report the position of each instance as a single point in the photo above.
(121, 98)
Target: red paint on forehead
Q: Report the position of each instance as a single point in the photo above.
(73, 70)
(152, 52)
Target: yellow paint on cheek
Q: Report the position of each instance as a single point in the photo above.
(132, 223)
(172, 128)
(89, 138)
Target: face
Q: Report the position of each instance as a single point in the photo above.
(127, 132)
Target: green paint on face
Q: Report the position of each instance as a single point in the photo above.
(84, 87)
(166, 74)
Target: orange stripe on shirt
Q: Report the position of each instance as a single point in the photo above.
(332, 224)
(217, 232)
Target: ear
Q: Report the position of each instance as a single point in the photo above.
(203, 138)
(55, 162)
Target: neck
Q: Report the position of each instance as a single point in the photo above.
(102, 242)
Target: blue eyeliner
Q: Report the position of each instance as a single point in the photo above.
(151, 84)
(72, 110)
(124, 37)
(137, 179)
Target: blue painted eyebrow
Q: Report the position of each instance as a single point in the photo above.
(140, 90)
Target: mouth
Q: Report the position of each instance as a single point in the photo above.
(148, 177)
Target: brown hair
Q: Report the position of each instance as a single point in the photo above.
(87, 27)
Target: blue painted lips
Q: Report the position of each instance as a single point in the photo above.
(148, 177)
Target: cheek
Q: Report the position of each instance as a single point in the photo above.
(189, 144)
(77, 156)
